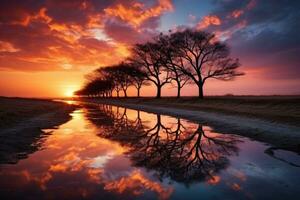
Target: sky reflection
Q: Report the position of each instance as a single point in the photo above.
(117, 153)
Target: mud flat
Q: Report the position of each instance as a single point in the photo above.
(22, 122)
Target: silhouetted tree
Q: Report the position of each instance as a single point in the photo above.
(95, 88)
(122, 73)
(139, 78)
(123, 76)
(148, 57)
(111, 73)
(202, 57)
(182, 57)
(171, 61)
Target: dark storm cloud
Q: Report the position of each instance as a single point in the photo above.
(269, 37)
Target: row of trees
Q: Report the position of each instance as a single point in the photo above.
(180, 58)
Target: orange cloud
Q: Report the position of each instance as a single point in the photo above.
(41, 15)
(237, 13)
(41, 179)
(136, 183)
(214, 180)
(136, 13)
(208, 21)
(7, 47)
(235, 187)
(226, 34)
(58, 168)
(45, 37)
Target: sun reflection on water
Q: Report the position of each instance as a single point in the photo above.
(120, 153)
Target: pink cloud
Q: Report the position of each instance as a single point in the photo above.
(63, 35)
(237, 13)
(209, 20)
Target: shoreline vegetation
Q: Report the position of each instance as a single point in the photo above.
(186, 57)
(21, 124)
(179, 58)
(271, 119)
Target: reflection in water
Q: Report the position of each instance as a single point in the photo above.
(176, 149)
(115, 153)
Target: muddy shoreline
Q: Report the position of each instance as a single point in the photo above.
(278, 135)
(24, 135)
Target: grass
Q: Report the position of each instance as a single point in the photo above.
(283, 109)
(15, 110)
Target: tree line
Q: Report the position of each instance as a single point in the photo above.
(178, 58)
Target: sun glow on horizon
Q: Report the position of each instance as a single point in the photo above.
(69, 93)
(69, 90)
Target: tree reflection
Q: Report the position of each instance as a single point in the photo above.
(182, 155)
(182, 151)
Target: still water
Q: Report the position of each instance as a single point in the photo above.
(107, 152)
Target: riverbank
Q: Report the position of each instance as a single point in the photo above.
(21, 124)
(273, 120)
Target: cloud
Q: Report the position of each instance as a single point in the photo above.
(134, 22)
(19, 12)
(136, 13)
(7, 47)
(124, 33)
(237, 13)
(62, 35)
(209, 21)
(261, 33)
(136, 184)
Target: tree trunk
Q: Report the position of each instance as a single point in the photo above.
(178, 89)
(138, 115)
(117, 93)
(138, 92)
(125, 93)
(200, 87)
(158, 92)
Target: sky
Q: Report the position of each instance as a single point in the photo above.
(48, 46)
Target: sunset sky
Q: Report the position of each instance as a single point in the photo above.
(48, 46)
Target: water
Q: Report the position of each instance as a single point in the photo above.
(106, 152)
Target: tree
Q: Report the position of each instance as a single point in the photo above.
(171, 61)
(96, 87)
(139, 78)
(121, 74)
(148, 57)
(202, 57)
(126, 73)
(111, 73)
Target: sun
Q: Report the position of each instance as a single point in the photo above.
(69, 93)
(69, 90)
